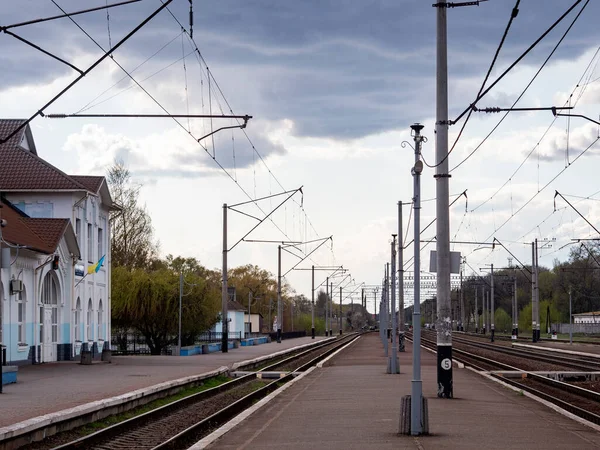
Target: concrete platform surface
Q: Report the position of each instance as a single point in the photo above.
(48, 388)
(351, 403)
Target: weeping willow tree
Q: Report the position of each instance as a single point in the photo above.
(148, 302)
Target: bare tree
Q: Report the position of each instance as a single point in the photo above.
(132, 243)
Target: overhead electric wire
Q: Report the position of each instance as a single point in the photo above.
(80, 77)
(524, 90)
(543, 135)
(199, 54)
(513, 15)
(176, 121)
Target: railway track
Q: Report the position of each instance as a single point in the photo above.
(584, 403)
(183, 422)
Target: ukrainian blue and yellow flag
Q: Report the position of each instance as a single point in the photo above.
(95, 267)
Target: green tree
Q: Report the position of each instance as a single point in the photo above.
(503, 321)
(132, 243)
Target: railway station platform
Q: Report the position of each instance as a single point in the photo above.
(351, 403)
(54, 388)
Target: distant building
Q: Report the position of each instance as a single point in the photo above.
(235, 313)
(52, 214)
(589, 317)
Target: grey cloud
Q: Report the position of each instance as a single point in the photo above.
(341, 69)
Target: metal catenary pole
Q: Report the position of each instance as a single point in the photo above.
(570, 319)
(394, 357)
(462, 301)
(312, 310)
(385, 310)
(340, 320)
(444, 324)
(224, 294)
(326, 307)
(331, 309)
(416, 410)
(537, 293)
(533, 317)
(492, 325)
(279, 315)
(180, 294)
(401, 270)
(515, 311)
(476, 313)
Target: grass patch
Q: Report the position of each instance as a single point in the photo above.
(186, 392)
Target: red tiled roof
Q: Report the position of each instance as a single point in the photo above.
(19, 230)
(50, 230)
(23, 170)
(91, 182)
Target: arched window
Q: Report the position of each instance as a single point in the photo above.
(50, 298)
(89, 320)
(100, 312)
(21, 300)
(77, 319)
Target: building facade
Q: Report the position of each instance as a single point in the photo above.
(64, 304)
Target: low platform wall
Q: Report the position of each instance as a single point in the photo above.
(254, 341)
(9, 374)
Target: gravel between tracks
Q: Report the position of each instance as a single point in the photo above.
(154, 433)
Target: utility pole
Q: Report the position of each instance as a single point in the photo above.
(312, 311)
(180, 295)
(476, 313)
(533, 288)
(401, 272)
(570, 318)
(279, 311)
(537, 293)
(270, 322)
(416, 404)
(340, 320)
(492, 325)
(326, 307)
(393, 361)
(331, 310)
(462, 301)
(444, 324)
(384, 310)
(224, 292)
(485, 311)
(515, 311)
(249, 302)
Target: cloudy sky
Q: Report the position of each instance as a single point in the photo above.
(333, 86)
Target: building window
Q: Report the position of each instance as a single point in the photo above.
(21, 316)
(77, 319)
(78, 232)
(89, 320)
(90, 235)
(100, 241)
(100, 312)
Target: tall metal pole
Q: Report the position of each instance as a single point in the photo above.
(270, 307)
(537, 293)
(533, 316)
(485, 312)
(416, 410)
(249, 301)
(340, 321)
(180, 295)
(394, 357)
(462, 301)
(515, 312)
(312, 311)
(476, 313)
(279, 294)
(570, 319)
(331, 309)
(400, 270)
(444, 324)
(326, 307)
(224, 294)
(386, 308)
(492, 325)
